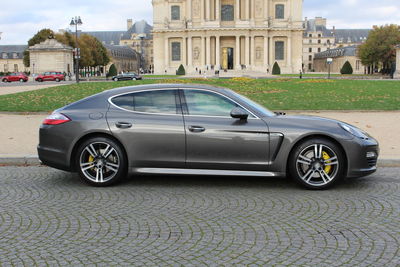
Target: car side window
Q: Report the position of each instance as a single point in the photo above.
(158, 101)
(208, 103)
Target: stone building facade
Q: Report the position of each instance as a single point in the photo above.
(51, 55)
(339, 56)
(123, 57)
(318, 38)
(139, 38)
(247, 35)
(12, 58)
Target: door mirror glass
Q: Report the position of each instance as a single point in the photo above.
(239, 113)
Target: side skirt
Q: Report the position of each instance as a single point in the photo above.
(206, 172)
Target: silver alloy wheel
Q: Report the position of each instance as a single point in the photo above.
(115, 79)
(317, 165)
(99, 162)
(133, 79)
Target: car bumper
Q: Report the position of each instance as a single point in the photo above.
(53, 158)
(362, 156)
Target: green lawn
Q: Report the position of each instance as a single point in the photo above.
(160, 76)
(307, 75)
(275, 94)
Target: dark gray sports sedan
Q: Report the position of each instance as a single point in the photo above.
(199, 130)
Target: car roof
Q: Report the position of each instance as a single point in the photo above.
(161, 86)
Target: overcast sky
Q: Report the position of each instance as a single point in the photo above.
(20, 24)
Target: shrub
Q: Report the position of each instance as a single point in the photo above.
(276, 70)
(112, 71)
(347, 68)
(181, 70)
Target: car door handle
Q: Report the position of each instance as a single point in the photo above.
(123, 125)
(196, 129)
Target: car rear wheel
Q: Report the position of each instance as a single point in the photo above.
(101, 162)
(21, 80)
(115, 79)
(133, 79)
(40, 80)
(317, 164)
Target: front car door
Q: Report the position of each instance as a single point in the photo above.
(215, 140)
(150, 125)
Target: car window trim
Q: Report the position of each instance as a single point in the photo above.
(185, 110)
(178, 106)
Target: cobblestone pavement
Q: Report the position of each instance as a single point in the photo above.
(49, 217)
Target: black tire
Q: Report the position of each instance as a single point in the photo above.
(93, 163)
(40, 80)
(21, 80)
(317, 164)
(133, 79)
(4, 80)
(57, 80)
(115, 79)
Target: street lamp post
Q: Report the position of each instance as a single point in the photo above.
(75, 22)
(329, 61)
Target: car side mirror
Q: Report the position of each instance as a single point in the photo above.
(239, 113)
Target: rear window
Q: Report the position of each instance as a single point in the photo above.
(159, 101)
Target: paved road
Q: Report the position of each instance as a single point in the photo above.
(50, 217)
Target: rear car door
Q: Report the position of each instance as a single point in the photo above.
(150, 125)
(215, 140)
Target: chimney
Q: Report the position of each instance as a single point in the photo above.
(129, 23)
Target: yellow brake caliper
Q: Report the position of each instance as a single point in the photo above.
(91, 159)
(325, 156)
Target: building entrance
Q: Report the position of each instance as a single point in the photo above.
(227, 58)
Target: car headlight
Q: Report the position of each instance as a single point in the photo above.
(354, 131)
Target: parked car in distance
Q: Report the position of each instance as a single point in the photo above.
(127, 76)
(199, 130)
(50, 76)
(15, 77)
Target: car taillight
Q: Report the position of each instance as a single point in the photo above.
(56, 119)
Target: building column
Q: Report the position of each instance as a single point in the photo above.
(190, 52)
(217, 53)
(218, 10)
(202, 17)
(266, 63)
(247, 51)
(237, 10)
(237, 53)
(252, 54)
(271, 57)
(203, 52)
(189, 11)
(208, 10)
(247, 10)
(166, 54)
(289, 53)
(184, 50)
(208, 51)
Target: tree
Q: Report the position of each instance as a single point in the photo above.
(112, 71)
(276, 70)
(93, 53)
(347, 68)
(181, 70)
(39, 37)
(379, 48)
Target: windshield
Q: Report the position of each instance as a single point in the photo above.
(255, 106)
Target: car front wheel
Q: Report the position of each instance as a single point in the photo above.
(133, 79)
(21, 80)
(317, 164)
(101, 162)
(115, 79)
(57, 80)
(5, 80)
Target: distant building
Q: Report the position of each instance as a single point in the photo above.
(51, 55)
(140, 38)
(11, 58)
(123, 57)
(339, 56)
(397, 73)
(317, 38)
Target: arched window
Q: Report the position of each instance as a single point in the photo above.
(280, 11)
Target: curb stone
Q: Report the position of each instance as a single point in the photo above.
(31, 160)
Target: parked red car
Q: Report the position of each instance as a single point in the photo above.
(15, 77)
(50, 76)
